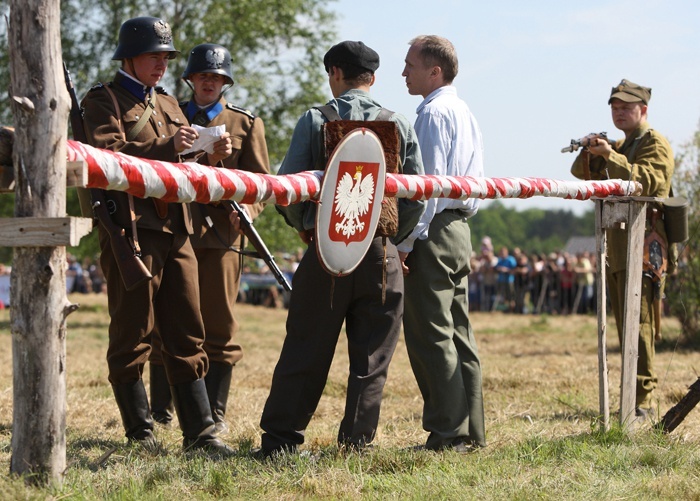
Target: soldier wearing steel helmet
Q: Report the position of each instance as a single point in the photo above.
(208, 71)
(133, 115)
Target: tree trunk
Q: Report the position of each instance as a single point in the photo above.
(38, 291)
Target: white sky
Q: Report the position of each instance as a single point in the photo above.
(538, 73)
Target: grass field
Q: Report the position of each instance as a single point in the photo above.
(541, 397)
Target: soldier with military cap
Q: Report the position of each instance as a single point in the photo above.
(134, 116)
(215, 235)
(645, 156)
(369, 300)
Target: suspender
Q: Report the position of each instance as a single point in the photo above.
(332, 115)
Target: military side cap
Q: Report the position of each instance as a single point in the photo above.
(630, 92)
(355, 53)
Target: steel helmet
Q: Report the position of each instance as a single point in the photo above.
(209, 58)
(142, 35)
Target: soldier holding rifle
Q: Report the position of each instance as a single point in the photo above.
(134, 116)
(215, 236)
(644, 155)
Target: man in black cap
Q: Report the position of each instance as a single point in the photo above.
(644, 156)
(371, 308)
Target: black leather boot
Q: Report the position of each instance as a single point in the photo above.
(161, 400)
(136, 416)
(194, 414)
(218, 382)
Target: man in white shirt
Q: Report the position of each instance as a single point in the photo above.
(439, 338)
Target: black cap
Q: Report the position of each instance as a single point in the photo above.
(630, 92)
(355, 53)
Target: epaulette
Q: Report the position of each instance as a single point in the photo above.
(160, 90)
(98, 85)
(240, 110)
(182, 104)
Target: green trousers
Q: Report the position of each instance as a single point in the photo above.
(646, 377)
(439, 338)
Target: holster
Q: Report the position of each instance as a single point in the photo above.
(655, 260)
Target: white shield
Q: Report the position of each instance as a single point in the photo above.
(350, 201)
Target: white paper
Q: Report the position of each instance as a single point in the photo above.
(207, 137)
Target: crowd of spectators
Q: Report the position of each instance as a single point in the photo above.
(511, 281)
(85, 276)
(515, 282)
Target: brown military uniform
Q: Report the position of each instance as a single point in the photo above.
(219, 268)
(171, 298)
(645, 157)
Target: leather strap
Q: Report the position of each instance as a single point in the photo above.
(132, 211)
(161, 206)
(586, 164)
(150, 103)
(332, 115)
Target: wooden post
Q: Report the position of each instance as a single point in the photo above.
(636, 216)
(38, 291)
(629, 213)
(602, 300)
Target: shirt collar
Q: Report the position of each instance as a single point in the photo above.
(210, 111)
(638, 133)
(440, 91)
(133, 85)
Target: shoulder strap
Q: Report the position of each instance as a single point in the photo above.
(329, 112)
(134, 131)
(130, 197)
(332, 115)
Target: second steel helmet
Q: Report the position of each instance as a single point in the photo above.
(209, 58)
(141, 35)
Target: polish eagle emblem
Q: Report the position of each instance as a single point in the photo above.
(353, 198)
(215, 58)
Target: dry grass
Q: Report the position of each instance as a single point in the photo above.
(540, 391)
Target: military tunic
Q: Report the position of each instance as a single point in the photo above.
(219, 267)
(171, 298)
(646, 157)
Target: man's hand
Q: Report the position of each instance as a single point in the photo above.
(235, 220)
(222, 149)
(184, 138)
(598, 146)
(402, 257)
(307, 236)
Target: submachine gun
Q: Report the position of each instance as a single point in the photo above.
(583, 142)
(131, 268)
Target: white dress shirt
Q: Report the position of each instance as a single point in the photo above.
(451, 144)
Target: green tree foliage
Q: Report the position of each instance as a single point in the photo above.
(683, 288)
(276, 46)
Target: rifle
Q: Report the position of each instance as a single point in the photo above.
(252, 234)
(131, 268)
(579, 143)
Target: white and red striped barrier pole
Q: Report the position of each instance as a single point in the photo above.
(191, 182)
